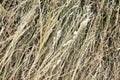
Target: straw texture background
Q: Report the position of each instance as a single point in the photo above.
(59, 39)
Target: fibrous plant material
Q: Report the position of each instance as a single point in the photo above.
(59, 40)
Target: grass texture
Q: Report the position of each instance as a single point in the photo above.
(59, 39)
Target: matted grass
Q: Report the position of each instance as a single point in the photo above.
(60, 40)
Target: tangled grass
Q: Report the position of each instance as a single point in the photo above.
(60, 40)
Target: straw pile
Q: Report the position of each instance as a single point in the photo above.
(59, 40)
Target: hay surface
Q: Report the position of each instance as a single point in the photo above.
(59, 40)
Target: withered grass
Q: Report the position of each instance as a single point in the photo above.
(60, 40)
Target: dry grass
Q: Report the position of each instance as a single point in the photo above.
(60, 40)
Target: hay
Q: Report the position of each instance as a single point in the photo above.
(60, 40)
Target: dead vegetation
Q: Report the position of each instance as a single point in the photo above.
(60, 40)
